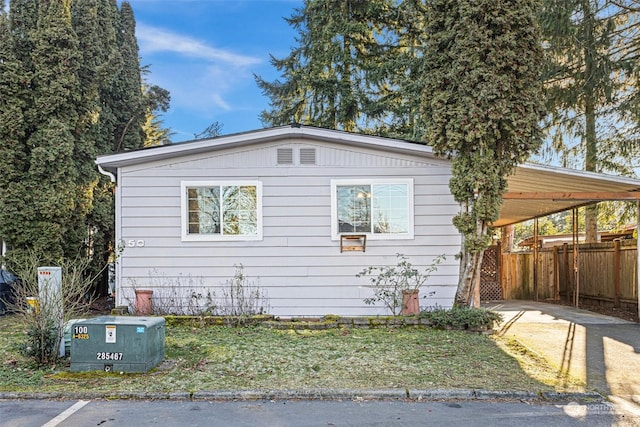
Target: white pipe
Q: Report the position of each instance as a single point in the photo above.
(111, 176)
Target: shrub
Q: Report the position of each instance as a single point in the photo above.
(42, 343)
(462, 318)
(391, 281)
(241, 297)
(53, 306)
(186, 295)
(175, 295)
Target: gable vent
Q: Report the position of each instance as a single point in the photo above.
(307, 156)
(285, 156)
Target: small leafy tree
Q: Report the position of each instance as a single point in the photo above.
(392, 281)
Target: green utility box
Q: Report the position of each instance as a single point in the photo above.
(117, 343)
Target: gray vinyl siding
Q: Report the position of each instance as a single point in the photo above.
(297, 263)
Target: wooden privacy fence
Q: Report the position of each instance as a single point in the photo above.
(606, 274)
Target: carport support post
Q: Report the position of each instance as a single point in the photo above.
(535, 259)
(616, 273)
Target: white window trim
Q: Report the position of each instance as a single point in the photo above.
(184, 217)
(335, 234)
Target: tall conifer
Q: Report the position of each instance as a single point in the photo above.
(49, 193)
(13, 88)
(329, 79)
(95, 23)
(13, 128)
(70, 88)
(591, 82)
(128, 106)
(483, 99)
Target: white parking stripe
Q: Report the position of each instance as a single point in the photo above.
(66, 414)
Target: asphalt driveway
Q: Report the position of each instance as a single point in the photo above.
(601, 350)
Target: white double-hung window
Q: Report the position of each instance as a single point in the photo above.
(380, 208)
(227, 210)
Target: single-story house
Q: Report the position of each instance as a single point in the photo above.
(303, 210)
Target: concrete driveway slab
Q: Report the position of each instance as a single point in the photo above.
(602, 351)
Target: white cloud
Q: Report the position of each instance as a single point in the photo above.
(157, 40)
(205, 82)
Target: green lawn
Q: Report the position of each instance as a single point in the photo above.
(223, 358)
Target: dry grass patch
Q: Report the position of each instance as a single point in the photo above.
(224, 358)
(538, 367)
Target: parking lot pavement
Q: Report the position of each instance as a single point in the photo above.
(121, 413)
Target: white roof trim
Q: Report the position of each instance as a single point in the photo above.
(113, 161)
(580, 173)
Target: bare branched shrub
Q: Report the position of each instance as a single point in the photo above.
(44, 318)
(241, 297)
(186, 295)
(179, 295)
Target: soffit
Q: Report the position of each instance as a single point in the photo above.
(531, 178)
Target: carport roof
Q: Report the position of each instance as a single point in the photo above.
(536, 190)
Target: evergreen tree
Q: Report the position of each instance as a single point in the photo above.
(70, 88)
(126, 99)
(401, 71)
(46, 194)
(111, 68)
(13, 85)
(329, 79)
(13, 150)
(23, 18)
(96, 22)
(591, 86)
(23, 21)
(156, 99)
(483, 103)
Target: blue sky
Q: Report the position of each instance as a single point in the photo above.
(205, 53)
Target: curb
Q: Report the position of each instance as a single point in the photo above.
(322, 394)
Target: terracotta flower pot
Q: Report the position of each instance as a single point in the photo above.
(144, 303)
(410, 302)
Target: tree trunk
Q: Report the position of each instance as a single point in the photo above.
(468, 293)
(507, 238)
(591, 140)
(591, 224)
(469, 282)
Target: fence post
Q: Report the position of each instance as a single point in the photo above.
(556, 274)
(565, 247)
